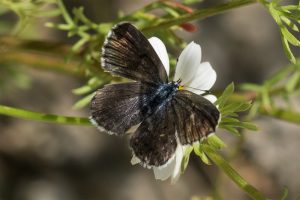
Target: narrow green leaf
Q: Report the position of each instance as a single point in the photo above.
(245, 125)
(185, 159)
(64, 12)
(289, 23)
(290, 7)
(230, 129)
(287, 49)
(284, 194)
(82, 90)
(292, 82)
(221, 101)
(235, 107)
(232, 115)
(290, 37)
(251, 87)
(215, 141)
(253, 110)
(84, 101)
(199, 152)
(64, 27)
(266, 98)
(79, 44)
(229, 119)
(93, 84)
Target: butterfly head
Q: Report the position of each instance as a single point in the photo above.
(177, 83)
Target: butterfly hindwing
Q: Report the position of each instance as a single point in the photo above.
(196, 117)
(127, 53)
(117, 107)
(154, 142)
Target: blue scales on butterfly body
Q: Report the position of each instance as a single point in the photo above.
(163, 94)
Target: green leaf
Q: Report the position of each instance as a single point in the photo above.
(221, 101)
(79, 44)
(64, 12)
(84, 101)
(186, 157)
(93, 84)
(215, 141)
(199, 152)
(64, 27)
(288, 22)
(229, 119)
(266, 98)
(290, 7)
(287, 50)
(251, 87)
(235, 107)
(284, 194)
(230, 129)
(253, 110)
(290, 37)
(292, 82)
(82, 90)
(245, 125)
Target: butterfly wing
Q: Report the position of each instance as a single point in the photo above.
(127, 53)
(154, 142)
(117, 107)
(196, 117)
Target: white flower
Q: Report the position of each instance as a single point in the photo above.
(195, 77)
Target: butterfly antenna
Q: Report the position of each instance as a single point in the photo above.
(205, 91)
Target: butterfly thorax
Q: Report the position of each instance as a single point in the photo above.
(164, 93)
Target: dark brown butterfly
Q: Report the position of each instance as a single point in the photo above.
(165, 114)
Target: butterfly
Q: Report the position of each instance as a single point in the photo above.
(164, 113)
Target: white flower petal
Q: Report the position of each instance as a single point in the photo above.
(211, 98)
(204, 79)
(164, 172)
(135, 160)
(161, 51)
(178, 157)
(188, 63)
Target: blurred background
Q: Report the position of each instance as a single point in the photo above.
(42, 161)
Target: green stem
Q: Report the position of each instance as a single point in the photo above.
(25, 114)
(199, 14)
(232, 174)
(64, 12)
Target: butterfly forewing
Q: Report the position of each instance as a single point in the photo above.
(196, 117)
(127, 53)
(117, 107)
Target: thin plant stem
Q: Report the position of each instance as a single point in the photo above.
(37, 116)
(232, 174)
(199, 14)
